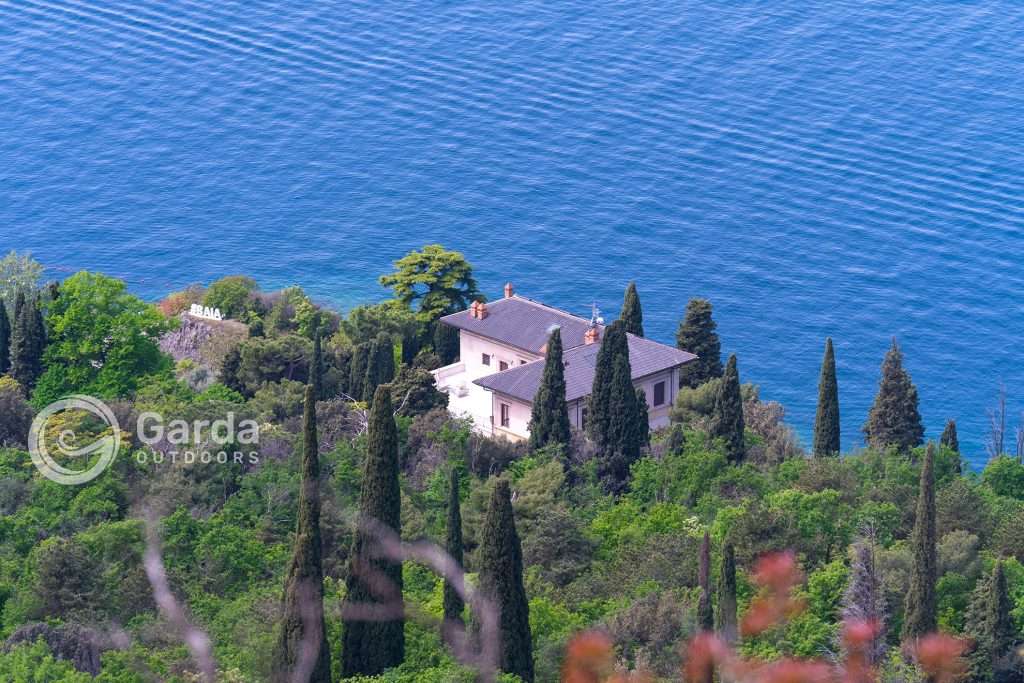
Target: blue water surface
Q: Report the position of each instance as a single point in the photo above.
(849, 168)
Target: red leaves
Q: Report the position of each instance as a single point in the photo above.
(589, 658)
(940, 656)
(777, 574)
(704, 654)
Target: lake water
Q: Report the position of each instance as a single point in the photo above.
(844, 168)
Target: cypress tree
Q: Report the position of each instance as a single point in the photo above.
(549, 420)
(920, 616)
(727, 418)
(705, 618)
(697, 335)
(380, 365)
(316, 370)
(624, 437)
(949, 438)
(27, 344)
(446, 343)
(632, 315)
(501, 580)
(230, 369)
(303, 600)
(5, 339)
(19, 303)
(1000, 634)
(826, 420)
(410, 345)
(453, 604)
(894, 419)
(613, 344)
(727, 623)
(357, 371)
(643, 421)
(370, 647)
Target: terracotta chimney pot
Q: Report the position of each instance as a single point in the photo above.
(591, 336)
(509, 291)
(481, 310)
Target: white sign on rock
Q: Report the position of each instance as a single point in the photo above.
(201, 311)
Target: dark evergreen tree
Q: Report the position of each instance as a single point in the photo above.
(446, 343)
(380, 365)
(453, 604)
(5, 339)
(697, 335)
(727, 623)
(613, 344)
(316, 367)
(894, 419)
(864, 600)
(229, 371)
(632, 315)
(921, 610)
(826, 421)
(643, 420)
(949, 438)
(705, 613)
(410, 345)
(624, 436)
(19, 303)
(357, 371)
(727, 417)
(302, 614)
(371, 647)
(27, 344)
(999, 634)
(501, 580)
(549, 419)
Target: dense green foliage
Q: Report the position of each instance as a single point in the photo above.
(28, 340)
(453, 602)
(433, 281)
(5, 339)
(826, 419)
(727, 418)
(549, 418)
(894, 419)
(697, 334)
(922, 607)
(949, 438)
(632, 316)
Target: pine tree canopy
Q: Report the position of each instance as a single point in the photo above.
(826, 420)
(949, 438)
(697, 334)
(501, 580)
(632, 315)
(549, 418)
(894, 419)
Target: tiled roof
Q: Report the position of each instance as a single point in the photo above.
(521, 322)
(646, 357)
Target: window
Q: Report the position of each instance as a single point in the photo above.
(502, 365)
(504, 415)
(659, 393)
(486, 359)
(522, 362)
(583, 418)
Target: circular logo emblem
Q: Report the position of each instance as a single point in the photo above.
(41, 440)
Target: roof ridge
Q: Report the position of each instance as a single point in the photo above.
(541, 304)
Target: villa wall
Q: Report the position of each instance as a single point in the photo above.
(472, 348)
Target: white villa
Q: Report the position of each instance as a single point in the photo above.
(501, 352)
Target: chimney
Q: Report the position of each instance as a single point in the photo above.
(474, 310)
(509, 291)
(592, 335)
(478, 310)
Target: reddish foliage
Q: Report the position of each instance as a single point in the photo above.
(858, 637)
(777, 574)
(588, 659)
(705, 653)
(940, 656)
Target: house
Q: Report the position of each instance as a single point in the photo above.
(501, 360)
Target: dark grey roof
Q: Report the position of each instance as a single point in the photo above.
(646, 357)
(521, 322)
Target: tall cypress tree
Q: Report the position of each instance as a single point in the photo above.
(370, 647)
(894, 419)
(949, 438)
(643, 420)
(727, 418)
(501, 580)
(303, 600)
(5, 339)
(316, 369)
(921, 610)
(380, 365)
(410, 344)
(613, 344)
(446, 342)
(697, 334)
(357, 371)
(727, 623)
(27, 344)
(549, 420)
(624, 436)
(826, 420)
(632, 315)
(453, 604)
(705, 614)
(1000, 634)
